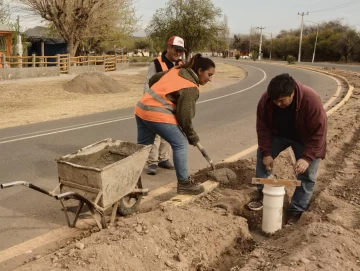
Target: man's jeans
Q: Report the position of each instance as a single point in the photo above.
(301, 198)
(147, 130)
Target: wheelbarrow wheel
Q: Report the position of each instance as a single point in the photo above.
(129, 203)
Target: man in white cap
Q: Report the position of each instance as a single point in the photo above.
(161, 150)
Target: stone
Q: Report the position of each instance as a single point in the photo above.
(180, 257)
(72, 252)
(168, 263)
(305, 260)
(222, 175)
(256, 254)
(138, 229)
(80, 246)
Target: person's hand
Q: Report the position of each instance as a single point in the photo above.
(268, 162)
(193, 140)
(301, 166)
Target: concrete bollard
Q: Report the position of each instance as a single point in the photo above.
(273, 208)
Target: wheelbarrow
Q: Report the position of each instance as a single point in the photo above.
(103, 175)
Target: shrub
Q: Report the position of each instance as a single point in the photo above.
(254, 55)
(237, 57)
(291, 59)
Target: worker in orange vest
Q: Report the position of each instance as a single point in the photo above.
(167, 109)
(161, 150)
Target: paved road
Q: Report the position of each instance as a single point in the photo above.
(347, 67)
(225, 122)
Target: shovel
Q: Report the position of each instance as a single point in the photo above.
(204, 153)
(222, 175)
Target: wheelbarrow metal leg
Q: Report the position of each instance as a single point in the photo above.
(114, 211)
(99, 223)
(78, 211)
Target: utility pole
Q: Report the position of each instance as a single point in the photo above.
(302, 26)
(19, 47)
(250, 40)
(227, 33)
(317, 34)
(270, 45)
(261, 29)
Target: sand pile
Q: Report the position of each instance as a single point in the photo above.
(94, 83)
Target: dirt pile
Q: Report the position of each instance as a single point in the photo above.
(104, 157)
(94, 83)
(169, 238)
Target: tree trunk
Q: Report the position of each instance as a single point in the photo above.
(70, 47)
(76, 46)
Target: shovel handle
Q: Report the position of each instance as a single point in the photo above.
(204, 153)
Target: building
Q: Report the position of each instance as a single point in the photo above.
(6, 36)
(41, 44)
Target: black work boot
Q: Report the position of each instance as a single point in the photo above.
(293, 217)
(189, 187)
(166, 164)
(151, 170)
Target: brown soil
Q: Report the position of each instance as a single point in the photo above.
(211, 233)
(94, 83)
(106, 156)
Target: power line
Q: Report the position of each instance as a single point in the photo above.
(338, 6)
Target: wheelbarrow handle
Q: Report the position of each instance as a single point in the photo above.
(29, 185)
(205, 154)
(6, 185)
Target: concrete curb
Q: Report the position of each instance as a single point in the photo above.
(180, 200)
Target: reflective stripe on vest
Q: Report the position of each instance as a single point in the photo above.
(154, 106)
(163, 65)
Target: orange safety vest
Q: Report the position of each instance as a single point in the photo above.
(163, 64)
(154, 106)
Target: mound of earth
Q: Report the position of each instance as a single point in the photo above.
(94, 83)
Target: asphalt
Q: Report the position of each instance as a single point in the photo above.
(225, 122)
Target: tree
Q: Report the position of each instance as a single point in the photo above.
(142, 44)
(254, 55)
(193, 20)
(346, 42)
(81, 22)
(242, 43)
(4, 12)
(217, 45)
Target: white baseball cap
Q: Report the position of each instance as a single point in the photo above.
(177, 42)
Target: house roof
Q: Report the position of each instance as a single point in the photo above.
(41, 33)
(34, 39)
(6, 28)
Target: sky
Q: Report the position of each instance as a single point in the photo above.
(275, 15)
